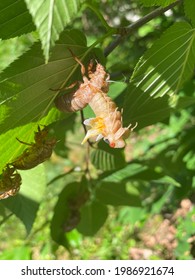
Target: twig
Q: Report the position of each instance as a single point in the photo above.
(126, 31)
(60, 176)
(6, 218)
(82, 121)
(84, 127)
(89, 144)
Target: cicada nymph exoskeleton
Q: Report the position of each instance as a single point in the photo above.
(93, 91)
(95, 81)
(10, 182)
(37, 152)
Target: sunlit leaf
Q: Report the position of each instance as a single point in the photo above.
(16, 253)
(10, 147)
(13, 48)
(50, 18)
(168, 63)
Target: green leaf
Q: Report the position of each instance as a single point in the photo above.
(168, 63)
(117, 194)
(13, 48)
(163, 3)
(106, 158)
(15, 19)
(50, 18)
(67, 211)
(144, 109)
(131, 215)
(26, 204)
(125, 173)
(140, 107)
(26, 85)
(10, 147)
(184, 102)
(93, 216)
(158, 205)
(17, 253)
(189, 7)
(167, 180)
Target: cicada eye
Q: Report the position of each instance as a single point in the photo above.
(107, 141)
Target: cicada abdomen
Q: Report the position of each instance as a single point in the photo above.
(10, 182)
(108, 122)
(77, 100)
(37, 152)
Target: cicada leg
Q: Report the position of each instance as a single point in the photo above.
(79, 62)
(25, 143)
(65, 88)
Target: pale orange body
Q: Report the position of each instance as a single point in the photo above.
(108, 121)
(93, 92)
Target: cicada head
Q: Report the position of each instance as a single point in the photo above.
(114, 143)
(116, 140)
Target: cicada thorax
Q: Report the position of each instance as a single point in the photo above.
(37, 152)
(10, 182)
(96, 80)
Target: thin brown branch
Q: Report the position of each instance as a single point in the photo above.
(84, 127)
(89, 144)
(82, 121)
(126, 31)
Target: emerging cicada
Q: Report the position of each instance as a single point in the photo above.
(37, 153)
(108, 122)
(10, 182)
(93, 91)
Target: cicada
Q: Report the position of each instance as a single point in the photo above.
(10, 182)
(95, 81)
(93, 91)
(37, 152)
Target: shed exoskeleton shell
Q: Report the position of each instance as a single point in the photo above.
(10, 182)
(37, 152)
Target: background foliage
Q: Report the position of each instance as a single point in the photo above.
(99, 202)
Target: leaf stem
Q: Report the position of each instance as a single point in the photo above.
(98, 14)
(123, 32)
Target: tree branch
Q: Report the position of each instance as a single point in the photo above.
(89, 144)
(126, 31)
